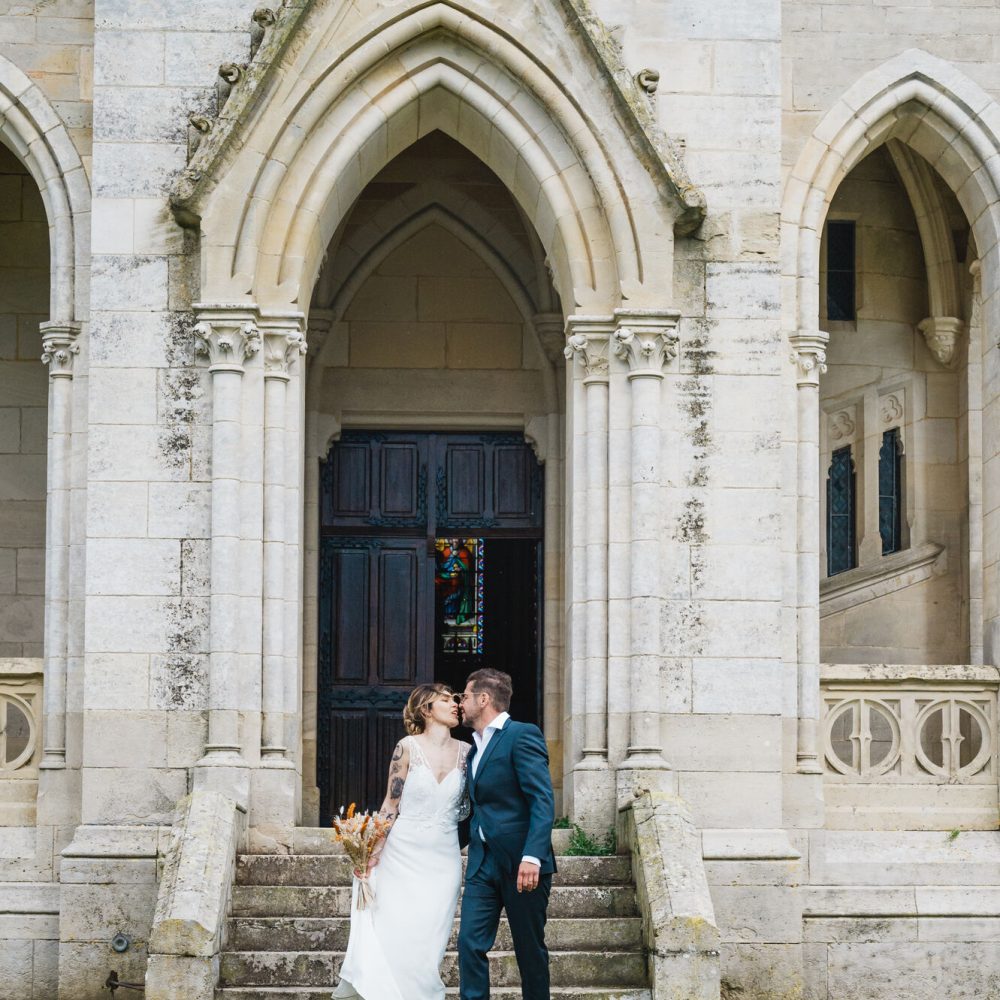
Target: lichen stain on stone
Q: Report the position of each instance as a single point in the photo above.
(186, 624)
(179, 348)
(182, 682)
(175, 446)
(181, 394)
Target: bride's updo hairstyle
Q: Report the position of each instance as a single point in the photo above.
(414, 717)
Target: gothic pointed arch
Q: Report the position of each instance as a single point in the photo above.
(350, 86)
(929, 106)
(31, 129)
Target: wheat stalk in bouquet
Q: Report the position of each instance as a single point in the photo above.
(360, 833)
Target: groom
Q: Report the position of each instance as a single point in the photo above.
(510, 840)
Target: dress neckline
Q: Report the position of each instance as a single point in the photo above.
(426, 763)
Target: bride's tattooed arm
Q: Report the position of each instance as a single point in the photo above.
(398, 767)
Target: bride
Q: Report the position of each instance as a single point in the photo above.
(397, 943)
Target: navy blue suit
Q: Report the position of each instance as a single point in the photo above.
(514, 808)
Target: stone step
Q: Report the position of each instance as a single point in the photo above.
(322, 840)
(321, 968)
(331, 934)
(305, 869)
(335, 901)
(497, 993)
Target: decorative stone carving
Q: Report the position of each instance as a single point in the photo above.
(910, 724)
(263, 18)
(842, 425)
(645, 351)
(59, 348)
(942, 334)
(550, 328)
(280, 350)
(591, 352)
(809, 356)
(892, 408)
(648, 81)
(198, 127)
(230, 74)
(227, 345)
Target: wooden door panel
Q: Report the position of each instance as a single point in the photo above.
(398, 612)
(344, 613)
(399, 477)
(465, 488)
(511, 481)
(351, 493)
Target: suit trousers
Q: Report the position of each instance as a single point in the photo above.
(492, 889)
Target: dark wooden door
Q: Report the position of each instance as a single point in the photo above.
(429, 568)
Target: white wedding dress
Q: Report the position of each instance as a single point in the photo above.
(397, 943)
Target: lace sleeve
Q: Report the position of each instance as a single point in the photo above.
(464, 804)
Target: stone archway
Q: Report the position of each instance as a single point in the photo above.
(335, 93)
(922, 103)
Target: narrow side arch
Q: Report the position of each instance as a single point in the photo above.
(32, 130)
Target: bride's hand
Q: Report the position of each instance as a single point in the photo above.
(373, 861)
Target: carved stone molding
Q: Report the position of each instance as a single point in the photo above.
(59, 347)
(226, 337)
(943, 334)
(892, 407)
(646, 341)
(198, 127)
(809, 357)
(230, 74)
(587, 342)
(263, 18)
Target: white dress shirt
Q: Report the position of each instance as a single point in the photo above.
(482, 742)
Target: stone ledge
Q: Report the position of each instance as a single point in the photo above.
(867, 583)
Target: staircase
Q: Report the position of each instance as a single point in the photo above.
(290, 923)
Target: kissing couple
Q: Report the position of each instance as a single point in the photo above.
(397, 944)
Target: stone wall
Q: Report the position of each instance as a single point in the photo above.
(53, 42)
(24, 303)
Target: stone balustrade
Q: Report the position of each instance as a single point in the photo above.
(910, 747)
(20, 739)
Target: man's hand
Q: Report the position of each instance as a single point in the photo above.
(527, 877)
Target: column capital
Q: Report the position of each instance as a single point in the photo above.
(587, 341)
(226, 335)
(284, 341)
(809, 356)
(943, 334)
(646, 340)
(60, 347)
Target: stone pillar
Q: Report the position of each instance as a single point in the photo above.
(809, 356)
(594, 786)
(227, 336)
(646, 342)
(60, 350)
(274, 789)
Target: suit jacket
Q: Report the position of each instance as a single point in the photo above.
(512, 799)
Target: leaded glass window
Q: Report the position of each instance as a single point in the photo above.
(459, 590)
(840, 270)
(841, 498)
(890, 491)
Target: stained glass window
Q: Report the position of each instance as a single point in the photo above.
(840, 270)
(459, 590)
(890, 492)
(840, 507)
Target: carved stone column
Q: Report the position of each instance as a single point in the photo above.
(227, 337)
(809, 357)
(646, 342)
(59, 352)
(594, 790)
